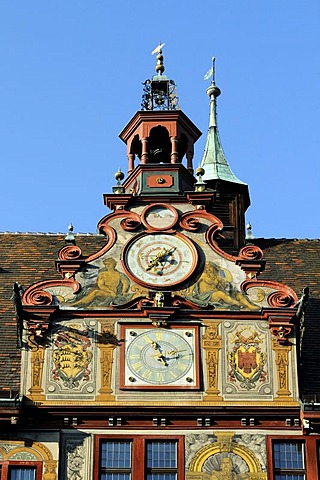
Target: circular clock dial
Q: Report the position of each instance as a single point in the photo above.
(160, 260)
(159, 357)
(160, 217)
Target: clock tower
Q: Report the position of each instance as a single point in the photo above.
(173, 357)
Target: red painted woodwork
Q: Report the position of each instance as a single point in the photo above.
(162, 181)
(139, 453)
(311, 444)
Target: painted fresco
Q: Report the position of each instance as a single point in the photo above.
(246, 360)
(71, 368)
(214, 284)
(216, 287)
(110, 285)
(104, 284)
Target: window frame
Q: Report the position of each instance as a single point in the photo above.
(6, 464)
(139, 449)
(310, 454)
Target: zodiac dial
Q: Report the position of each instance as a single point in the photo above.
(160, 260)
(159, 217)
(160, 357)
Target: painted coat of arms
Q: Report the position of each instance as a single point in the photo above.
(71, 357)
(246, 359)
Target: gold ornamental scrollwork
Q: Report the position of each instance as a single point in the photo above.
(211, 342)
(107, 344)
(227, 446)
(40, 451)
(37, 362)
(282, 369)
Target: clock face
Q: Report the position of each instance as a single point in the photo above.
(160, 358)
(160, 260)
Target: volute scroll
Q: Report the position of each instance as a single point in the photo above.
(38, 295)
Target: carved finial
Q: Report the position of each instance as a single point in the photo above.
(200, 185)
(119, 176)
(249, 235)
(69, 238)
(159, 67)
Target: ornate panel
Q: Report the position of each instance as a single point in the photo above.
(225, 455)
(246, 361)
(76, 461)
(71, 361)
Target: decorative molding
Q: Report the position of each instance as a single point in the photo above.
(37, 294)
(282, 368)
(70, 252)
(189, 221)
(225, 446)
(282, 297)
(212, 344)
(251, 261)
(115, 201)
(75, 454)
(37, 362)
(39, 451)
(281, 323)
(107, 344)
(69, 261)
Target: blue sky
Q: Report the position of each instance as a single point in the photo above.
(71, 74)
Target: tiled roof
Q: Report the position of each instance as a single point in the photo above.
(297, 264)
(29, 258)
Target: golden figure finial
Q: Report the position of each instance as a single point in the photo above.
(159, 67)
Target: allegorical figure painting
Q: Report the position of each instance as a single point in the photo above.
(110, 285)
(226, 467)
(215, 287)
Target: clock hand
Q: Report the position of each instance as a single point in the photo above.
(173, 352)
(160, 256)
(160, 357)
(153, 344)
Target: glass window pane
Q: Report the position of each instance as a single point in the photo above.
(24, 473)
(288, 455)
(115, 476)
(289, 476)
(161, 454)
(116, 455)
(161, 476)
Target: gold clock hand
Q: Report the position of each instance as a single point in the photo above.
(155, 261)
(173, 352)
(160, 357)
(160, 256)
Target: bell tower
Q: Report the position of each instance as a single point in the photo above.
(160, 136)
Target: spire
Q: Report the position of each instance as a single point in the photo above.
(159, 93)
(214, 161)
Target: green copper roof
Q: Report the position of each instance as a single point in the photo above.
(214, 161)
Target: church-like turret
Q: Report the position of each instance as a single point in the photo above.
(232, 195)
